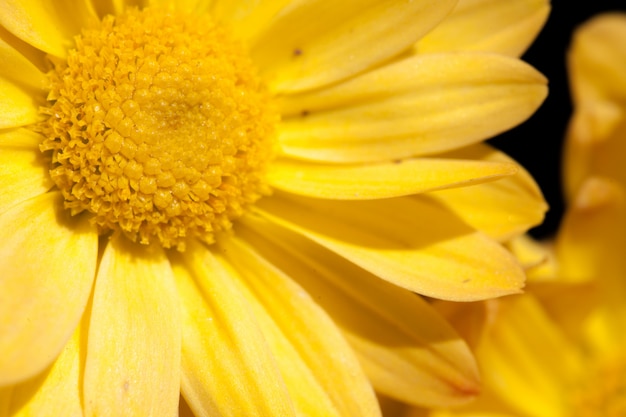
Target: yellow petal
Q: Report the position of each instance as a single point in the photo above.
(20, 138)
(227, 366)
(23, 174)
(247, 19)
(313, 43)
(15, 65)
(502, 209)
(189, 6)
(381, 180)
(134, 342)
(56, 392)
(411, 242)
(597, 59)
(525, 356)
(47, 24)
(537, 258)
(48, 262)
(591, 238)
(17, 105)
(322, 373)
(505, 27)
(433, 367)
(419, 105)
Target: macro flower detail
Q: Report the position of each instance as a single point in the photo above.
(226, 208)
(560, 348)
(158, 127)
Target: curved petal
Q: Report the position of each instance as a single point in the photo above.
(597, 59)
(247, 19)
(23, 174)
(420, 105)
(134, 341)
(525, 355)
(381, 180)
(48, 261)
(411, 242)
(323, 376)
(18, 105)
(408, 351)
(312, 43)
(56, 392)
(47, 24)
(15, 65)
(502, 209)
(189, 6)
(505, 27)
(227, 366)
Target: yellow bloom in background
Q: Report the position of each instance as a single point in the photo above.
(234, 201)
(560, 349)
(595, 142)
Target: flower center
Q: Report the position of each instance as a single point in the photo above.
(158, 125)
(603, 393)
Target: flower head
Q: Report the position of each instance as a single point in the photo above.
(234, 201)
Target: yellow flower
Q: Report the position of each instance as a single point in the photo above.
(234, 201)
(595, 142)
(560, 349)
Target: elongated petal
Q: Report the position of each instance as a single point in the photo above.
(247, 18)
(420, 105)
(48, 260)
(17, 105)
(47, 24)
(411, 242)
(190, 6)
(505, 27)
(134, 342)
(57, 391)
(434, 367)
(597, 59)
(227, 366)
(322, 373)
(524, 354)
(15, 66)
(23, 174)
(392, 179)
(316, 42)
(502, 209)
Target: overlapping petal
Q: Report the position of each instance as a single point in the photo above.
(17, 105)
(313, 43)
(526, 353)
(506, 27)
(322, 373)
(227, 365)
(16, 66)
(134, 341)
(407, 350)
(382, 180)
(502, 209)
(55, 392)
(48, 25)
(23, 173)
(411, 242)
(51, 260)
(420, 105)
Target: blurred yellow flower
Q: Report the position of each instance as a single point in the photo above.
(560, 349)
(234, 201)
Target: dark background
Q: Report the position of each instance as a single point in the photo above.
(536, 144)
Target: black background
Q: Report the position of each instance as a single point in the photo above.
(536, 144)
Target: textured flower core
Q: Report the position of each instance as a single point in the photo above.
(603, 393)
(159, 126)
